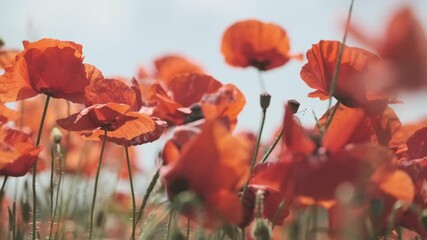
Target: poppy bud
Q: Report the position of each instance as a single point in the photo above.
(265, 100)
(294, 104)
(259, 201)
(56, 135)
(262, 230)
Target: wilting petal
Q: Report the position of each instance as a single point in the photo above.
(254, 43)
(132, 129)
(99, 115)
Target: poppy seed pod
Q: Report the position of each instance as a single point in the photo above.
(264, 100)
(294, 105)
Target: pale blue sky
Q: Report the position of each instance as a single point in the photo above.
(120, 35)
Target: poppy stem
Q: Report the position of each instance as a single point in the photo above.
(59, 157)
(282, 206)
(331, 116)
(2, 188)
(132, 193)
(255, 153)
(92, 210)
(39, 135)
(338, 64)
(52, 168)
(267, 154)
(188, 229)
(261, 82)
(147, 194)
(169, 224)
(14, 220)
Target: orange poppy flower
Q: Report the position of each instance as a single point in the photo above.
(192, 96)
(254, 43)
(404, 48)
(112, 106)
(7, 57)
(167, 67)
(213, 165)
(353, 84)
(274, 180)
(314, 168)
(17, 152)
(355, 125)
(47, 66)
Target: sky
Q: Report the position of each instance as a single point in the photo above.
(118, 36)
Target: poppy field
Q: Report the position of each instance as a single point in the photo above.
(71, 138)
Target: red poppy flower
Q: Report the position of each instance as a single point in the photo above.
(112, 106)
(17, 153)
(315, 168)
(355, 125)
(404, 48)
(167, 67)
(48, 66)
(191, 96)
(274, 179)
(254, 43)
(213, 165)
(353, 87)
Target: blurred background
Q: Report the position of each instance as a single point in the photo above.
(119, 36)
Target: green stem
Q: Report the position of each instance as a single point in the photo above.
(255, 153)
(147, 194)
(338, 64)
(2, 189)
(261, 82)
(92, 210)
(57, 194)
(277, 214)
(188, 229)
(51, 193)
(39, 135)
(14, 220)
(328, 123)
(267, 154)
(340, 54)
(133, 194)
(169, 224)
